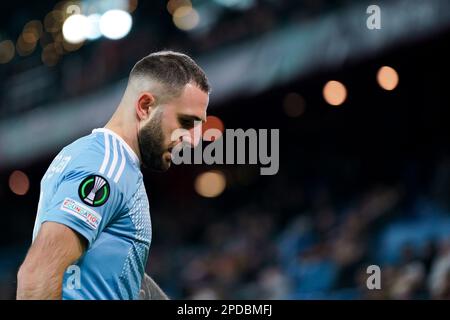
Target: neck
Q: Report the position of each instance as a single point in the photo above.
(126, 131)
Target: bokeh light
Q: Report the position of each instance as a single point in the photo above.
(76, 28)
(115, 24)
(50, 56)
(7, 51)
(132, 5)
(173, 5)
(334, 93)
(212, 122)
(93, 27)
(53, 21)
(69, 8)
(19, 183)
(32, 31)
(294, 105)
(387, 78)
(29, 37)
(58, 43)
(210, 184)
(26, 43)
(186, 18)
(69, 47)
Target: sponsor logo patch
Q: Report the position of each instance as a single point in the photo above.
(82, 212)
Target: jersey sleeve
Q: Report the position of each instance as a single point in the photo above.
(84, 201)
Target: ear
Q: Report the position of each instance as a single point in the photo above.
(144, 105)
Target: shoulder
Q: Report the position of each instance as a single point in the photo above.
(104, 154)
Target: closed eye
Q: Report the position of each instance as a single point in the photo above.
(188, 122)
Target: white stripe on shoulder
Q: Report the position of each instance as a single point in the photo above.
(122, 165)
(128, 149)
(114, 161)
(106, 157)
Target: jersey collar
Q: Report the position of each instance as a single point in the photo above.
(120, 139)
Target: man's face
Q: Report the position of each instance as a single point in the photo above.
(155, 136)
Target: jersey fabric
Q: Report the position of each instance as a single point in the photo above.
(95, 187)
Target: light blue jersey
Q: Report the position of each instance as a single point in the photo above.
(95, 187)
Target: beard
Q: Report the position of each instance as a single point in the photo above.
(151, 140)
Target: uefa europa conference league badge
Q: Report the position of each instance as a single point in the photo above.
(94, 190)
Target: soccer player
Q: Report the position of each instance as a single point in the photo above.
(93, 230)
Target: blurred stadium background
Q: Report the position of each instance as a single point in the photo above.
(364, 126)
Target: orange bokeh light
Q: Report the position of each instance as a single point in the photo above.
(334, 93)
(19, 183)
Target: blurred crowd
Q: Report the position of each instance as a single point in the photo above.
(277, 245)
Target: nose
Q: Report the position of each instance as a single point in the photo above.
(190, 139)
(195, 135)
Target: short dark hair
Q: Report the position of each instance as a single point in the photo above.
(173, 70)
